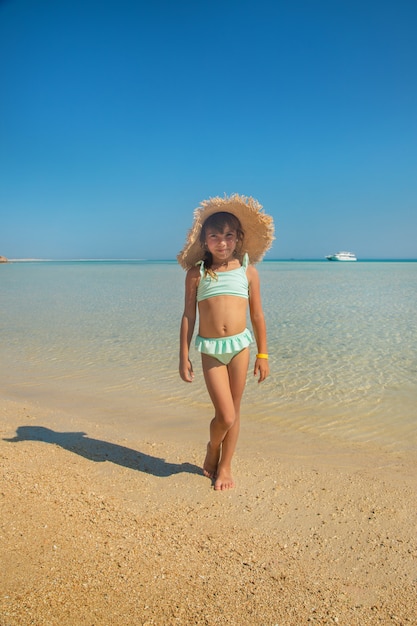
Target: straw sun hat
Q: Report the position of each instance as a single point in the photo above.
(257, 226)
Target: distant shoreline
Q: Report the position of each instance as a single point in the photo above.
(292, 260)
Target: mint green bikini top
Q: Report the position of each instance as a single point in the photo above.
(231, 283)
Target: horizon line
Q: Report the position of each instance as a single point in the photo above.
(142, 259)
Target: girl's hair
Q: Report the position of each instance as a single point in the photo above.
(218, 222)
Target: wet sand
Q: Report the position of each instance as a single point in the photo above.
(102, 529)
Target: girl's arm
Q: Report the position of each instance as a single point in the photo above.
(187, 324)
(258, 323)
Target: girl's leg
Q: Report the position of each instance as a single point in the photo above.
(225, 385)
(238, 369)
(217, 381)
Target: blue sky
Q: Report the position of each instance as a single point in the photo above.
(118, 118)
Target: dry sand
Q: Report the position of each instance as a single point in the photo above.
(99, 531)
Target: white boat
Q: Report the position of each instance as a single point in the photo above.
(341, 256)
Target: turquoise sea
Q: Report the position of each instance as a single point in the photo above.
(101, 338)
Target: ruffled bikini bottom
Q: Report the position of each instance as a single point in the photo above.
(224, 348)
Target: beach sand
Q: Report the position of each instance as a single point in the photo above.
(99, 530)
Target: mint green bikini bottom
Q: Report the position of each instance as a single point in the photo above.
(224, 348)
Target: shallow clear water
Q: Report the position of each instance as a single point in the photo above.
(103, 336)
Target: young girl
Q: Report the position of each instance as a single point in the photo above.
(227, 235)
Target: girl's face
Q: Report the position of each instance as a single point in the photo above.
(221, 244)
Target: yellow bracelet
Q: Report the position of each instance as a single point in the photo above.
(262, 356)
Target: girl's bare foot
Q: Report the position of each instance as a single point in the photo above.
(211, 462)
(224, 479)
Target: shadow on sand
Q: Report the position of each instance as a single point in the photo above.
(99, 451)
